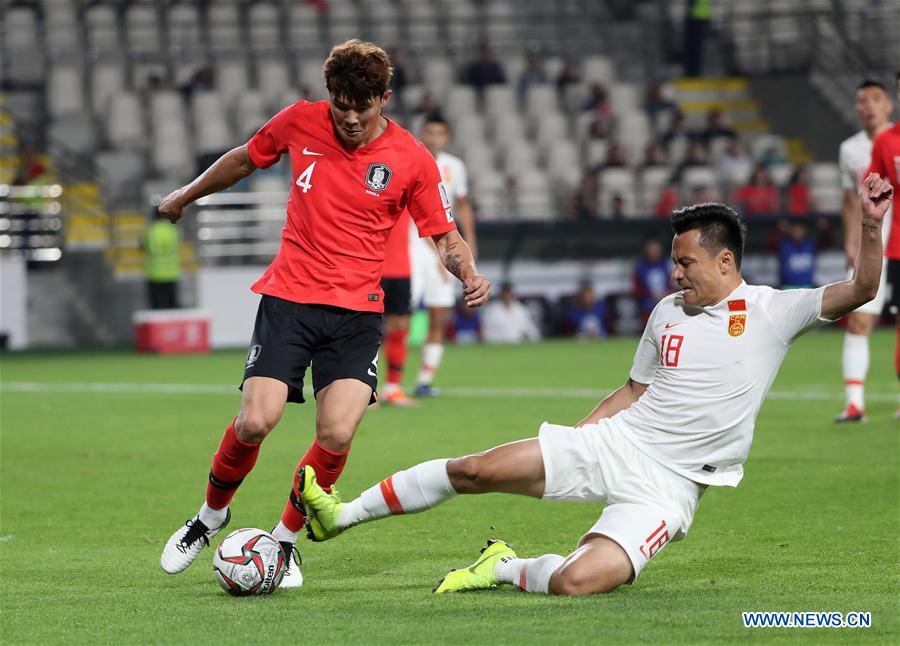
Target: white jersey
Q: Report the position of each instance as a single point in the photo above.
(854, 157)
(708, 371)
(456, 184)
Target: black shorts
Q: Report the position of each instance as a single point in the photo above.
(893, 279)
(288, 336)
(397, 295)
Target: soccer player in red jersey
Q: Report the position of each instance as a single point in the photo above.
(886, 162)
(355, 172)
(397, 285)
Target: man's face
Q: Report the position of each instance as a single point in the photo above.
(355, 124)
(873, 107)
(435, 137)
(701, 276)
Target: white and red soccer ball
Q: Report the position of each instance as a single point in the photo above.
(249, 562)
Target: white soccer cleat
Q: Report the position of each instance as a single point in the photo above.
(186, 543)
(293, 578)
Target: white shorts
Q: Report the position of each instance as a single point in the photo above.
(876, 305)
(647, 505)
(431, 283)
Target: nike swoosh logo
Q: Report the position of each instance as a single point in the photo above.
(670, 325)
(307, 151)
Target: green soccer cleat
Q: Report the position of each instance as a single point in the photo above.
(479, 575)
(322, 508)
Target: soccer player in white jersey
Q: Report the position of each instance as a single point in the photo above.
(873, 107)
(681, 423)
(431, 283)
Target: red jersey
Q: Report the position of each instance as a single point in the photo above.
(343, 205)
(886, 162)
(396, 252)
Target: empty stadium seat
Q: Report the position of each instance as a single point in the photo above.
(264, 26)
(563, 164)
(500, 101)
(700, 177)
(540, 100)
(343, 20)
(143, 35)
(223, 26)
(65, 93)
(211, 128)
(183, 26)
(125, 123)
(597, 69)
(103, 30)
(461, 100)
(533, 197)
(652, 181)
(252, 113)
(107, 80)
(273, 76)
(519, 156)
(304, 32)
(231, 80)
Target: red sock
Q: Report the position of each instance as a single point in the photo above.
(231, 463)
(395, 352)
(328, 465)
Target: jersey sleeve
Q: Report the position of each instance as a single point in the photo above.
(429, 203)
(848, 175)
(796, 311)
(270, 142)
(646, 357)
(878, 165)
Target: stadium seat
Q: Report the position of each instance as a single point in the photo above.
(509, 127)
(107, 80)
(231, 80)
(120, 172)
(540, 100)
(763, 143)
(211, 128)
(423, 34)
(103, 30)
(652, 181)
(501, 25)
(272, 77)
(311, 78)
(700, 177)
(489, 193)
(252, 113)
(500, 101)
(624, 98)
(438, 75)
(166, 108)
(479, 159)
(264, 27)
(597, 69)
(62, 32)
(533, 198)
(125, 123)
(780, 174)
(343, 20)
(304, 30)
(65, 92)
(461, 100)
(76, 132)
(595, 151)
(20, 29)
(183, 22)
(823, 174)
(468, 130)
(551, 129)
(223, 26)
(142, 29)
(634, 133)
(563, 164)
(519, 156)
(384, 21)
(461, 22)
(617, 180)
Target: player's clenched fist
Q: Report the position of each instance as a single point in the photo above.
(171, 206)
(476, 291)
(875, 197)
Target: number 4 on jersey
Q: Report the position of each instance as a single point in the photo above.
(304, 181)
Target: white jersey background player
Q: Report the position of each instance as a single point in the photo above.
(431, 284)
(873, 108)
(682, 422)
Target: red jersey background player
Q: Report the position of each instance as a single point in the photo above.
(354, 173)
(397, 285)
(886, 162)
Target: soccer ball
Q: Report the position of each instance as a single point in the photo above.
(249, 561)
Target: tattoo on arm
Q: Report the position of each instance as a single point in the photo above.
(453, 263)
(871, 225)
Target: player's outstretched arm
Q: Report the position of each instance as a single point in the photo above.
(457, 258)
(839, 298)
(227, 171)
(622, 398)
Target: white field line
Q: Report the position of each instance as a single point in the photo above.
(490, 392)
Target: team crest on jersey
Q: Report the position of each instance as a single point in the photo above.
(737, 323)
(377, 176)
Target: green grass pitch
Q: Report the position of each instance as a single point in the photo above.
(94, 479)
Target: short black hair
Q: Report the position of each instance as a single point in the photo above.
(867, 83)
(719, 225)
(436, 116)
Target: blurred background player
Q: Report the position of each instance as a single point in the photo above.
(886, 162)
(432, 285)
(321, 301)
(395, 283)
(873, 108)
(652, 277)
(507, 320)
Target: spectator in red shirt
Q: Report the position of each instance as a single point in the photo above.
(758, 196)
(799, 199)
(354, 173)
(667, 202)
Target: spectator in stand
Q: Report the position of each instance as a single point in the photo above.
(735, 165)
(695, 157)
(30, 168)
(652, 277)
(599, 129)
(466, 323)
(426, 104)
(799, 198)
(654, 156)
(668, 201)
(586, 316)
(568, 75)
(615, 156)
(485, 70)
(677, 134)
(796, 255)
(533, 74)
(759, 196)
(772, 156)
(598, 104)
(658, 105)
(400, 78)
(716, 127)
(507, 320)
(617, 207)
(586, 206)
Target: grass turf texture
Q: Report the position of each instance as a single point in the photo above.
(93, 483)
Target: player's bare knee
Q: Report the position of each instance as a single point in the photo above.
(336, 435)
(570, 580)
(254, 425)
(469, 474)
(860, 324)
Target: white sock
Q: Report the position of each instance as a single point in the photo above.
(432, 353)
(406, 492)
(530, 575)
(856, 365)
(212, 518)
(282, 533)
